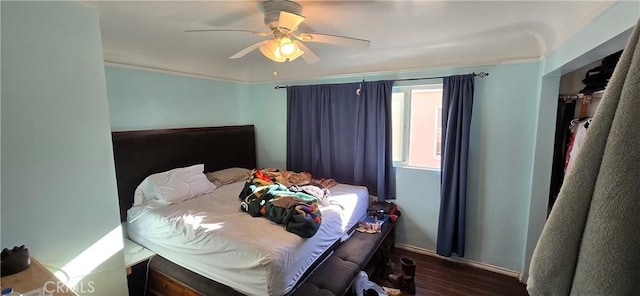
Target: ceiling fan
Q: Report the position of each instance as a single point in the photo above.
(282, 18)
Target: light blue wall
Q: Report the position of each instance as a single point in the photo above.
(418, 194)
(500, 161)
(266, 108)
(542, 164)
(59, 193)
(141, 99)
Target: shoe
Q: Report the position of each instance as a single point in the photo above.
(405, 281)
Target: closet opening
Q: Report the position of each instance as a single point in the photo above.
(580, 93)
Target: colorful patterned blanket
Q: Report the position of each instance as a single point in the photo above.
(298, 211)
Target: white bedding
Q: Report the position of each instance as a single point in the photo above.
(212, 237)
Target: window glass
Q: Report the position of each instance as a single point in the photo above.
(417, 126)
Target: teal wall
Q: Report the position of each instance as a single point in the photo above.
(141, 99)
(500, 160)
(59, 194)
(266, 108)
(542, 163)
(500, 163)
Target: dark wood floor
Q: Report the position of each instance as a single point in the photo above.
(436, 276)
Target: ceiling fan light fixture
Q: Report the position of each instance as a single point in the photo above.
(298, 53)
(289, 22)
(271, 50)
(282, 18)
(287, 48)
(305, 37)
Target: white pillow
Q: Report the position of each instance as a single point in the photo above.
(173, 186)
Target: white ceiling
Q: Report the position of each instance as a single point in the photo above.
(404, 35)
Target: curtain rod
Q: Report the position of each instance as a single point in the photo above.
(481, 75)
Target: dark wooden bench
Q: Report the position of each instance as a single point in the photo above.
(362, 251)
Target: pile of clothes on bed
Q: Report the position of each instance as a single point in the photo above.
(286, 198)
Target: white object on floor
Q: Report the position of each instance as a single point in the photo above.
(362, 283)
(37, 292)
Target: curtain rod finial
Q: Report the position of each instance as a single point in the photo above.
(481, 74)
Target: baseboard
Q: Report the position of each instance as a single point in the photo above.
(485, 266)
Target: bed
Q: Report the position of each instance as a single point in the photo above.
(209, 235)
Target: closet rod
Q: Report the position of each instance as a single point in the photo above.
(481, 75)
(570, 97)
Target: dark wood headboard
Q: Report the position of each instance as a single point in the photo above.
(138, 154)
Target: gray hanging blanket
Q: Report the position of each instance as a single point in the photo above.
(590, 244)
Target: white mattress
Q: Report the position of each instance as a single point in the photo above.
(209, 235)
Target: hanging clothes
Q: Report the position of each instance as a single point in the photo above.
(564, 115)
(576, 142)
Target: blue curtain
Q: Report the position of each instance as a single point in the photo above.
(334, 131)
(457, 104)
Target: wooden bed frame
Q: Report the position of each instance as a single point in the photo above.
(138, 154)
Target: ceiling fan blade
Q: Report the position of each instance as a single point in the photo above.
(335, 39)
(308, 55)
(288, 22)
(247, 50)
(227, 30)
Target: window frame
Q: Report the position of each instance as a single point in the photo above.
(406, 126)
(438, 117)
(406, 116)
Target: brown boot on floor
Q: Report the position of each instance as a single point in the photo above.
(405, 281)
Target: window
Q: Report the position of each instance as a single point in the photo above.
(417, 125)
